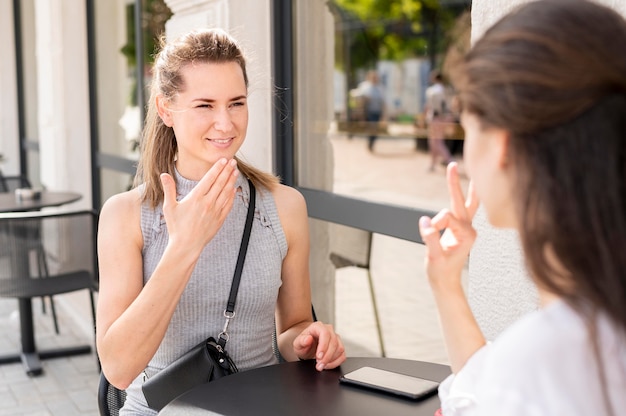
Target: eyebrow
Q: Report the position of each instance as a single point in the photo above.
(211, 100)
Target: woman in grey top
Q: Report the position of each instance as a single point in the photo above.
(168, 247)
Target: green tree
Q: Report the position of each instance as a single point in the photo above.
(154, 14)
(371, 30)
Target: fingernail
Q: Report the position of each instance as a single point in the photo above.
(223, 161)
(425, 222)
(320, 355)
(320, 366)
(233, 162)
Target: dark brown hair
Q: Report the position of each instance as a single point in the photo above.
(553, 74)
(158, 144)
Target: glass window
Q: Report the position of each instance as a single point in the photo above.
(120, 99)
(373, 73)
(362, 160)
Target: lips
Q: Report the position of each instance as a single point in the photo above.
(221, 141)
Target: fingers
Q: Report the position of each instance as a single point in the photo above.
(463, 208)
(218, 181)
(319, 341)
(216, 189)
(457, 199)
(430, 236)
(472, 202)
(338, 355)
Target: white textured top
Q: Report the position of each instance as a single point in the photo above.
(199, 313)
(542, 365)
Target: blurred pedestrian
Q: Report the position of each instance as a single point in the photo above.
(373, 104)
(438, 116)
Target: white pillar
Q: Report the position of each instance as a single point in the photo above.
(62, 79)
(9, 144)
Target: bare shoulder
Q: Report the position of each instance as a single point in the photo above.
(292, 212)
(122, 204)
(289, 201)
(121, 214)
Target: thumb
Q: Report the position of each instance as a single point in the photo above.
(305, 340)
(303, 344)
(169, 189)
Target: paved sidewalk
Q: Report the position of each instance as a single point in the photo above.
(393, 173)
(68, 386)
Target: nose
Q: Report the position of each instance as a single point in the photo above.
(223, 120)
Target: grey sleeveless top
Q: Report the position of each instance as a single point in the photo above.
(200, 311)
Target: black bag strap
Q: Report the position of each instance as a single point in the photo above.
(229, 312)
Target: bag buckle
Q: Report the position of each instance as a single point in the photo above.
(223, 336)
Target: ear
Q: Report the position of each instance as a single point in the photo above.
(163, 110)
(501, 140)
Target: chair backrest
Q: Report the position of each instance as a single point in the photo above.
(349, 246)
(57, 246)
(110, 398)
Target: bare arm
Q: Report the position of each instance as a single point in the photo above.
(298, 336)
(132, 318)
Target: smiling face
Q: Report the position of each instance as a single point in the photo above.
(209, 116)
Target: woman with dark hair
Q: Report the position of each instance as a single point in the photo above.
(544, 112)
(167, 249)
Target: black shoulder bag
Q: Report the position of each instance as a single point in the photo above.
(208, 360)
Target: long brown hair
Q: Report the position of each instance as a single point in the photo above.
(158, 144)
(553, 74)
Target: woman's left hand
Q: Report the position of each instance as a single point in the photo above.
(320, 342)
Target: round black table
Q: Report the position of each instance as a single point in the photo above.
(9, 203)
(29, 355)
(296, 388)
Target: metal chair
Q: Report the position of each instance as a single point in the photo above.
(66, 243)
(110, 398)
(352, 247)
(11, 183)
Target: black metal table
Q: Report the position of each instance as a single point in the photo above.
(29, 355)
(296, 388)
(9, 203)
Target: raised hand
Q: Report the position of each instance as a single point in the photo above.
(194, 220)
(447, 252)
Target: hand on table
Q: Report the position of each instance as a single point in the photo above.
(319, 341)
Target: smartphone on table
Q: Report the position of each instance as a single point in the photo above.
(390, 382)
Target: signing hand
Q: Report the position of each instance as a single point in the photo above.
(446, 254)
(320, 341)
(194, 220)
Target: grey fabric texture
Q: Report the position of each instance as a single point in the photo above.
(200, 312)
